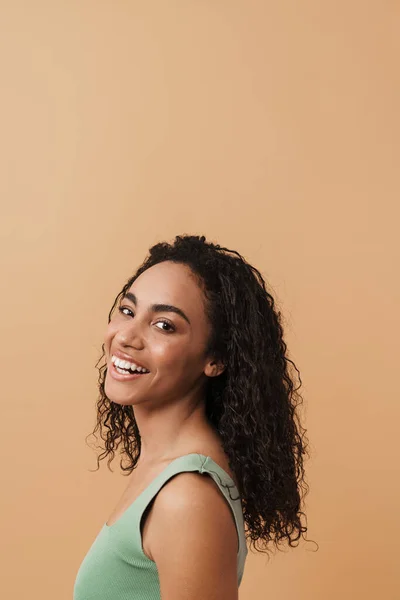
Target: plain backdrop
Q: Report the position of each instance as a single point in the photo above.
(270, 127)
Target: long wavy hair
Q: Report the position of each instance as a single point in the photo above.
(252, 404)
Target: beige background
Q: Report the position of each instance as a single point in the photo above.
(270, 127)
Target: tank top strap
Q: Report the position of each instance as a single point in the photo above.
(189, 462)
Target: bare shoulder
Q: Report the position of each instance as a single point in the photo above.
(193, 533)
(190, 489)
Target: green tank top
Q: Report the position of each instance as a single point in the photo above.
(116, 568)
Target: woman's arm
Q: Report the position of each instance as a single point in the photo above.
(193, 540)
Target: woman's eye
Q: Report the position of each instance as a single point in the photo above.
(122, 308)
(169, 329)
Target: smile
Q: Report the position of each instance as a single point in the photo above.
(127, 366)
(124, 375)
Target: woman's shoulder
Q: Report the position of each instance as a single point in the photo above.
(213, 448)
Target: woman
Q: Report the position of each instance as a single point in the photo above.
(196, 388)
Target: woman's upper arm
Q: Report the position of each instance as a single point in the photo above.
(193, 540)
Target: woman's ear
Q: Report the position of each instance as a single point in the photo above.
(214, 368)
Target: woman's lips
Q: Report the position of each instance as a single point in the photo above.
(125, 376)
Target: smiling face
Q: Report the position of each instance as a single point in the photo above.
(160, 324)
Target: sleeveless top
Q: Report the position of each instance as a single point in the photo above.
(116, 568)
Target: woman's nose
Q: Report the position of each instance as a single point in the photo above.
(130, 335)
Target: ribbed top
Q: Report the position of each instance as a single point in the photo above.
(116, 568)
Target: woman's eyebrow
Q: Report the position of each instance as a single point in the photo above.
(158, 307)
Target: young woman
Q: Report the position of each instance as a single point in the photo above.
(196, 388)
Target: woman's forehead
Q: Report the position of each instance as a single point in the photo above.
(169, 283)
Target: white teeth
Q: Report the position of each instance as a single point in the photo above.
(124, 364)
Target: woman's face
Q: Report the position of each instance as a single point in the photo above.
(169, 344)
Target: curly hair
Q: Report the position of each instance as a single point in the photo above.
(251, 404)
